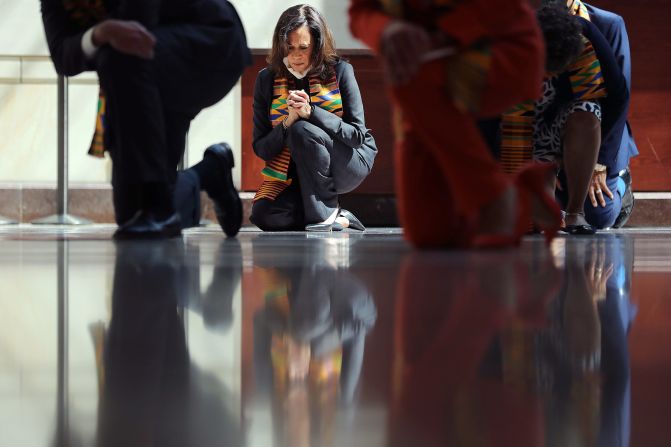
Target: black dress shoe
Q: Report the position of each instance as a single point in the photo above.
(227, 203)
(627, 201)
(145, 226)
(354, 223)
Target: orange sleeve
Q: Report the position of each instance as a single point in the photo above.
(368, 21)
(464, 23)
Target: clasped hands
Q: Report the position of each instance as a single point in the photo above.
(599, 270)
(298, 103)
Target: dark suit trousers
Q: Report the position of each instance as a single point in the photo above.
(146, 362)
(151, 103)
(325, 168)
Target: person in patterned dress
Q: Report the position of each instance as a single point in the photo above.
(579, 122)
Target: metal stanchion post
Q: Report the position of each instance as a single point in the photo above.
(62, 217)
(62, 400)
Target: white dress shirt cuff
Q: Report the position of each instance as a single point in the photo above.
(88, 47)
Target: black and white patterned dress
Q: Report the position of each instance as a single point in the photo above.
(551, 114)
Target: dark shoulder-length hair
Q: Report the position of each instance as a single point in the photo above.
(562, 32)
(324, 53)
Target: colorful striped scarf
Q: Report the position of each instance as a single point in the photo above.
(323, 94)
(87, 13)
(97, 146)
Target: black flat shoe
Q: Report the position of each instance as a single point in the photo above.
(579, 230)
(354, 223)
(145, 226)
(227, 203)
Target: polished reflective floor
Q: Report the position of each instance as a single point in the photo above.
(344, 339)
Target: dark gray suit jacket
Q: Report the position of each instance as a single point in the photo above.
(350, 129)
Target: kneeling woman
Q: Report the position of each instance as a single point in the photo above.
(309, 128)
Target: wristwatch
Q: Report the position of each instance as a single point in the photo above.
(600, 168)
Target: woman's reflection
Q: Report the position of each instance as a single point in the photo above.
(151, 393)
(309, 340)
(500, 349)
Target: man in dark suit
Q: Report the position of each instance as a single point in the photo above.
(613, 28)
(610, 199)
(159, 62)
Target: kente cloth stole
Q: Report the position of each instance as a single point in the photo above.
(466, 72)
(323, 94)
(517, 136)
(87, 13)
(587, 81)
(517, 124)
(97, 147)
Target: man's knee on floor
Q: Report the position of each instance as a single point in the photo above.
(603, 217)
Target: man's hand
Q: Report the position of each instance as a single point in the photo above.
(403, 46)
(597, 272)
(125, 36)
(598, 188)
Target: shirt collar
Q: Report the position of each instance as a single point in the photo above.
(297, 74)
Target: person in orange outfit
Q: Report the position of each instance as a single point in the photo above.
(450, 63)
(447, 390)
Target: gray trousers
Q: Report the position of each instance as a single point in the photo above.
(324, 167)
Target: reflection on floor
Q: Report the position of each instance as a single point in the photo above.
(343, 339)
